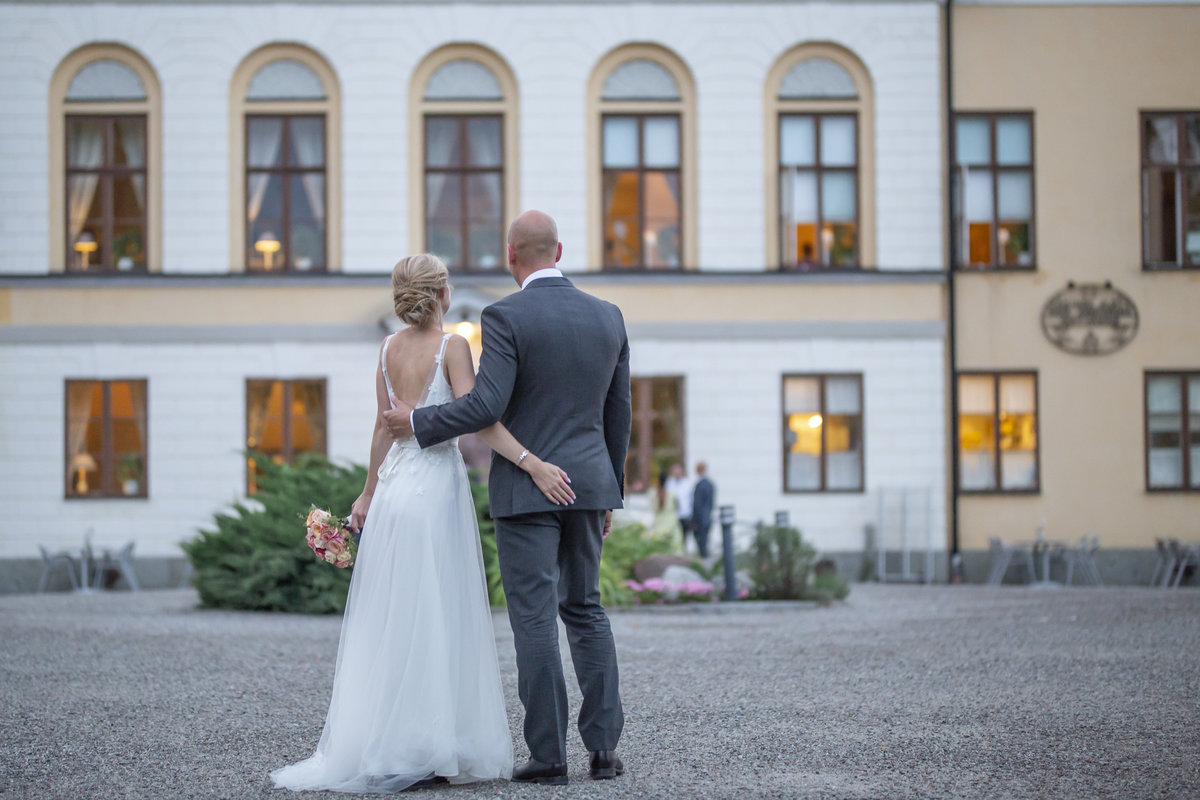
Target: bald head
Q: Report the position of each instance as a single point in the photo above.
(533, 242)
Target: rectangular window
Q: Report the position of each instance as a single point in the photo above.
(1171, 190)
(284, 418)
(656, 436)
(994, 189)
(1173, 430)
(997, 432)
(285, 192)
(464, 190)
(822, 433)
(106, 193)
(641, 191)
(106, 450)
(818, 190)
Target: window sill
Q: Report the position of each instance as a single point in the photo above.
(1168, 268)
(999, 492)
(967, 269)
(823, 491)
(1173, 490)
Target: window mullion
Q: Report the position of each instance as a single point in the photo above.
(824, 427)
(997, 483)
(1185, 441)
(641, 173)
(106, 440)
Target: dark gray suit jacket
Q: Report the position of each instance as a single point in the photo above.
(555, 371)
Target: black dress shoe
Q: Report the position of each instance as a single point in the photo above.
(533, 771)
(605, 764)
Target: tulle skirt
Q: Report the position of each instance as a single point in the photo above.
(417, 687)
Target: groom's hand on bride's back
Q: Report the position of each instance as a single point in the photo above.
(398, 419)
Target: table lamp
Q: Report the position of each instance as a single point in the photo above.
(268, 244)
(84, 463)
(85, 245)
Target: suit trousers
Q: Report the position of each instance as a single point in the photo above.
(550, 566)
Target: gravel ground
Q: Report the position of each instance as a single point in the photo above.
(972, 692)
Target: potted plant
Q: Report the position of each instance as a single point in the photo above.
(129, 473)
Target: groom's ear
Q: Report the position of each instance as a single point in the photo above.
(558, 255)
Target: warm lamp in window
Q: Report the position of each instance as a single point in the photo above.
(83, 463)
(85, 245)
(268, 244)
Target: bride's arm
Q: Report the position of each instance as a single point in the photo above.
(551, 480)
(381, 441)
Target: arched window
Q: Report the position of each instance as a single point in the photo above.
(820, 160)
(642, 144)
(105, 162)
(285, 145)
(463, 144)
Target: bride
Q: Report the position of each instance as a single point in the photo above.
(416, 693)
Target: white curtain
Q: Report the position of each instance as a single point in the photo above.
(133, 144)
(87, 151)
(438, 151)
(310, 149)
(265, 141)
(79, 413)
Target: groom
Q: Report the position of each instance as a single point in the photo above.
(555, 371)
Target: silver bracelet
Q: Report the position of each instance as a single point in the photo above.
(520, 458)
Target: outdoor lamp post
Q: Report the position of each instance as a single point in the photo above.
(85, 245)
(268, 244)
(728, 516)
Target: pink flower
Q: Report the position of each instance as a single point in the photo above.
(317, 516)
(634, 585)
(654, 585)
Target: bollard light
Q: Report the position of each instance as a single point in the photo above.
(781, 519)
(728, 517)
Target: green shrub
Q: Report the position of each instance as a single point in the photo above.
(780, 563)
(827, 587)
(256, 558)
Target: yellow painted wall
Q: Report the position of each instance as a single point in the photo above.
(1086, 72)
(235, 304)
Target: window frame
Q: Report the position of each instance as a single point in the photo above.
(995, 375)
(462, 173)
(685, 106)
(240, 107)
(1185, 431)
(862, 106)
(821, 377)
(641, 169)
(60, 108)
(107, 173)
(287, 173)
(995, 169)
(286, 451)
(818, 170)
(644, 419)
(109, 490)
(507, 108)
(1180, 166)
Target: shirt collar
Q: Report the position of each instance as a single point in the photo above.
(548, 272)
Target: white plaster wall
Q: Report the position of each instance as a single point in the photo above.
(196, 432)
(734, 420)
(197, 428)
(552, 48)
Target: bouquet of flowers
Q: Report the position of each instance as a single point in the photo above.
(331, 538)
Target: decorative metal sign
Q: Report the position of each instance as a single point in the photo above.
(1090, 319)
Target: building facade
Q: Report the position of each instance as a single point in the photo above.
(1076, 288)
(202, 203)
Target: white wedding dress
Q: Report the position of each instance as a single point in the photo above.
(417, 687)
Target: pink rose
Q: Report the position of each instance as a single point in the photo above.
(317, 516)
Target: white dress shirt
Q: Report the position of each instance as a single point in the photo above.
(547, 272)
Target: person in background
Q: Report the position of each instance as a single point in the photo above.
(703, 498)
(680, 486)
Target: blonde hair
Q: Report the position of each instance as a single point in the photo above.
(416, 282)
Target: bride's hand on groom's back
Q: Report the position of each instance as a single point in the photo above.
(552, 481)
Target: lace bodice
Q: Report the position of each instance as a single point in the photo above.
(437, 391)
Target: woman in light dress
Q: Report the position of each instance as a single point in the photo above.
(416, 693)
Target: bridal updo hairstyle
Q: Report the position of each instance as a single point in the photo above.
(416, 282)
